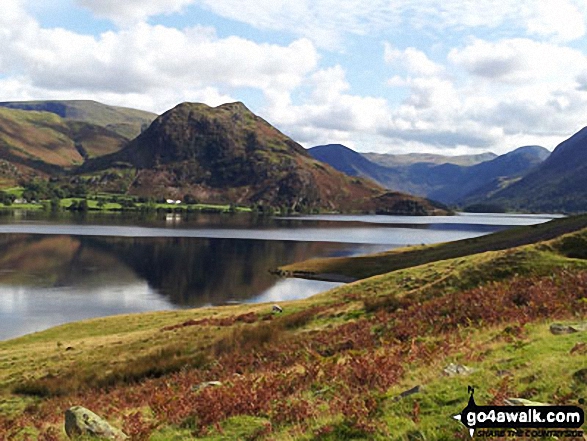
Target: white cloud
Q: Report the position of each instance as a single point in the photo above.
(413, 60)
(326, 22)
(582, 81)
(149, 61)
(519, 60)
(330, 114)
(128, 12)
(561, 19)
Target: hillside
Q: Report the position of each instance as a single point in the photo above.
(44, 144)
(360, 267)
(228, 154)
(454, 185)
(124, 121)
(376, 359)
(448, 182)
(559, 184)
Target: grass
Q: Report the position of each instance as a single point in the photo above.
(330, 367)
(361, 267)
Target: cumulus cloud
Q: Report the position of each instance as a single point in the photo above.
(146, 60)
(519, 60)
(562, 19)
(128, 12)
(330, 113)
(412, 60)
(582, 81)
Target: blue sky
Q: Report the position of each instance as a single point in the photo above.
(441, 76)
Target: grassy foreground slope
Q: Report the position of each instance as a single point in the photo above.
(366, 266)
(330, 367)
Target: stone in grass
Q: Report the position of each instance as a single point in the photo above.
(80, 421)
(206, 384)
(559, 328)
(580, 376)
(457, 369)
(407, 393)
(523, 402)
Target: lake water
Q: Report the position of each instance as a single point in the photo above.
(55, 270)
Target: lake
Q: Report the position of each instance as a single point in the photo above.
(62, 268)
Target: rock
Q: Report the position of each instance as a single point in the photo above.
(407, 393)
(523, 402)
(277, 309)
(558, 328)
(579, 348)
(580, 376)
(80, 421)
(206, 384)
(457, 369)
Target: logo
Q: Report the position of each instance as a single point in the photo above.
(532, 420)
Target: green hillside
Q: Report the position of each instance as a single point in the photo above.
(366, 266)
(124, 121)
(363, 361)
(558, 185)
(42, 144)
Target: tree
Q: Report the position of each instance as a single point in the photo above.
(55, 204)
(189, 199)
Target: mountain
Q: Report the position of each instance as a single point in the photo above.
(34, 143)
(394, 160)
(350, 162)
(559, 184)
(228, 154)
(447, 183)
(124, 121)
(458, 184)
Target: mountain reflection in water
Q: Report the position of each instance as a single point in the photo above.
(186, 271)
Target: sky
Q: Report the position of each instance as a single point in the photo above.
(387, 76)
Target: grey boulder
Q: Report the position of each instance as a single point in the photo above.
(80, 421)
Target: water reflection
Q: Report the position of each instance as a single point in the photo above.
(48, 280)
(59, 269)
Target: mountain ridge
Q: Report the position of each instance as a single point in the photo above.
(559, 184)
(228, 154)
(448, 182)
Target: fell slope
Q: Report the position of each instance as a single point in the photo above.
(228, 154)
(559, 184)
(360, 267)
(43, 144)
(124, 121)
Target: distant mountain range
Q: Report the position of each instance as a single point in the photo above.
(558, 184)
(228, 154)
(446, 182)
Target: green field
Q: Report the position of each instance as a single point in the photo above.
(106, 202)
(330, 367)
